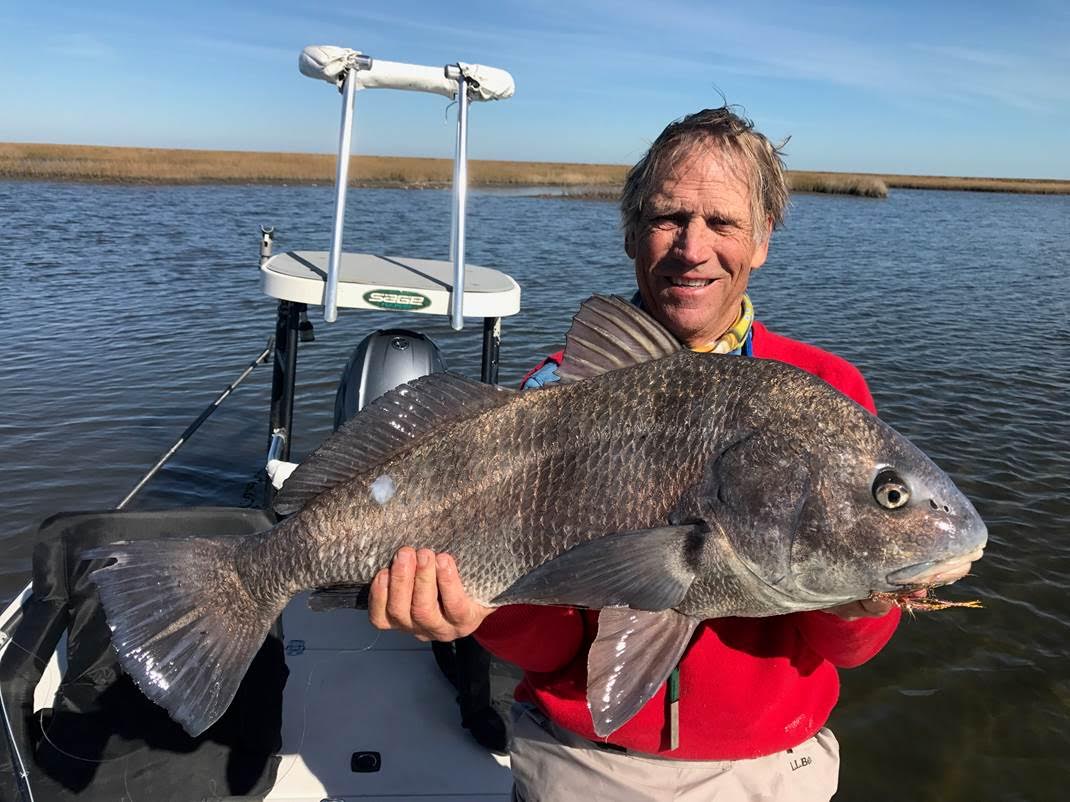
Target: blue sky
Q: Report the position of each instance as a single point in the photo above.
(953, 88)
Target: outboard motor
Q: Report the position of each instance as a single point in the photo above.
(383, 360)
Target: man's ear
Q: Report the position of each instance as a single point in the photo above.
(761, 249)
(629, 245)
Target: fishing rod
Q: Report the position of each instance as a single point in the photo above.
(12, 623)
(9, 627)
(193, 427)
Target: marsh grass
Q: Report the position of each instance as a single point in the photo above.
(589, 181)
(865, 186)
(160, 166)
(1033, 186)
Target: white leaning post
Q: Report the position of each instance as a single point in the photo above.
(330, 291)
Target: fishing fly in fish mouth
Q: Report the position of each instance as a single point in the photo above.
(694, 521)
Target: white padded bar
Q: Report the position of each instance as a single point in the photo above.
(329, 63)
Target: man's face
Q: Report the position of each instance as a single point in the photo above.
(694, 247)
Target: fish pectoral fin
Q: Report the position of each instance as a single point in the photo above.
(608, 333)
(648, 569)
(339, 597)
(632, 656)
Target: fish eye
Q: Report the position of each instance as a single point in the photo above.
(890, 491)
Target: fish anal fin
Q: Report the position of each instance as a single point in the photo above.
(631, 657)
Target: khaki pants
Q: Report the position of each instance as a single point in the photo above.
(551, 764)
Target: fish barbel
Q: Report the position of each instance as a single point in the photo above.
(657, 485)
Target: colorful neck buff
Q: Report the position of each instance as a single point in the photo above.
(731, 342)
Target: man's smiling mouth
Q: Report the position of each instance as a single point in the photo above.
(689, 282)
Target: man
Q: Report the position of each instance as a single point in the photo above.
(753, 694)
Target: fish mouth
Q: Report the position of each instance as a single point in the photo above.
(936, 572)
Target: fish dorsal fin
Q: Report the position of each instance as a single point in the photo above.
(385, 427)
(608, 333)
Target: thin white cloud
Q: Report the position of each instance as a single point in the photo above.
(987, 57)
(84, 46)
(412, 22)
(274, 54)
(837, 46)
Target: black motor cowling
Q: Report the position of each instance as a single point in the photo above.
(380, 362)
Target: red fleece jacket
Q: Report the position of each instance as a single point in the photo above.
(748, 686)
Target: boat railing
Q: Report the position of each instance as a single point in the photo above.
(351, 70)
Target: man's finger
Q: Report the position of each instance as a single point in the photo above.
(399, 600)
(875, 609)
(456, 603)
(377, 600)
(425, 610)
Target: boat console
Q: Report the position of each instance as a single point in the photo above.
(391, 283)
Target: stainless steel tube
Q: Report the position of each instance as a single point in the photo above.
(460, 197)
(330, 291)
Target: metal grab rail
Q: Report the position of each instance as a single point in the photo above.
(352, 70)
(345, 138)
(460, 201)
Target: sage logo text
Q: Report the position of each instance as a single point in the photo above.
(396, 299)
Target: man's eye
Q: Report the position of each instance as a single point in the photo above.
(665, 221)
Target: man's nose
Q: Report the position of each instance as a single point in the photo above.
(694, 242)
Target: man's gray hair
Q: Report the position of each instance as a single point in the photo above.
(732, 135)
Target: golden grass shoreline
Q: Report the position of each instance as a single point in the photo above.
(122, 165)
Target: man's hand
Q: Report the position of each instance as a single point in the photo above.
(421, 593)
(863, 608)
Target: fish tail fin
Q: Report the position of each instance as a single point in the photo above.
(183, 622)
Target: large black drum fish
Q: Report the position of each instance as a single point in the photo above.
(661, 486)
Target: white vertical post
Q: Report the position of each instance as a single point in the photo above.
(330, 291)
(460, 196)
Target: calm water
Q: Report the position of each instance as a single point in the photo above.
(126, 310)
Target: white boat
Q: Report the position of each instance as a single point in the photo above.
(332, 709)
